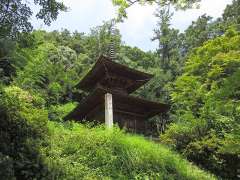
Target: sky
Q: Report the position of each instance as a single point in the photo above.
(137, 29)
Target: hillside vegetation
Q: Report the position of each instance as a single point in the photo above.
(35, 147)
(79, 152)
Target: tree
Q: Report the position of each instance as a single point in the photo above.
(206, 107)
(10, 59)
(168, 43)
(51, 70)
(197, 33)
(124, 4)
(15, 15)
(231, 15)
(204, 28)
(136, 58)
(6, 68)
(99, 40)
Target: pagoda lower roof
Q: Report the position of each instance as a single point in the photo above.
(105, 66)
(121, 103)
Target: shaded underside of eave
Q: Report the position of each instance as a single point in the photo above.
(105, 65)
(121, 103)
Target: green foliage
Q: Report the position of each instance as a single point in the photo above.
(168, 42)
(10, 60)
(58, 112)
(136, 58)
(6, 68)
(100, 39)
(79, 152)
(15, 15)
(231, 14)
(23, 126)
(124, 4)
(206, 103)
(7, 169)
(198, 32)
(51, 70)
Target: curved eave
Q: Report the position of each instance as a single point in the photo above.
(121, 102)
(105, 65)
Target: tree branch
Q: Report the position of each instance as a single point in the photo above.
(131, 2)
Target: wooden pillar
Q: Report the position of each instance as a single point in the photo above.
(108, 110)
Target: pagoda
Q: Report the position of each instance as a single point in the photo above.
(109, 101)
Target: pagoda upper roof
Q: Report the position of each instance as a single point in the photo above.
(121, 102)
(106, 67)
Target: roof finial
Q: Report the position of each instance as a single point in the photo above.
(112, 33)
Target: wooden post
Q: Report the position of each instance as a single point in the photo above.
(108, 110)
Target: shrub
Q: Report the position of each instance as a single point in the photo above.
(22, 127)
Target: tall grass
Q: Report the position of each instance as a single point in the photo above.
(79, 152)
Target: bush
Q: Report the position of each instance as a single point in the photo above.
(23, 127)
(79, 152)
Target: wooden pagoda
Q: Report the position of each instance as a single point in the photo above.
(109, 85)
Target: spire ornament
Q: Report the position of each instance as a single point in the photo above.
(112, 45)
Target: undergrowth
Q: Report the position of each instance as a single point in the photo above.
(76, 151)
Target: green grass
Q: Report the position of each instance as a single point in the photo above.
(79, 152)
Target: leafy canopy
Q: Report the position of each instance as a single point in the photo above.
(206, 100)
(15, 15)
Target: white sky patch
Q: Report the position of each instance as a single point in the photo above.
(137, 30)
(182, 19)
